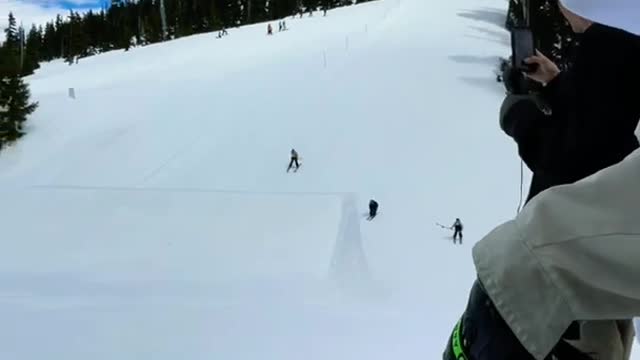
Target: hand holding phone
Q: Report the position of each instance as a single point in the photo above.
(545, 70)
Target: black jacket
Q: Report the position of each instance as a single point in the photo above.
(595, 111)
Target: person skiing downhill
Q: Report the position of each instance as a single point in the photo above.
(373, 209)
(457, 230)
(269, 29)
(294, 161)
(559, 282)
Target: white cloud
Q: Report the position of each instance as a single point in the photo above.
(27, 13)
(34, 11)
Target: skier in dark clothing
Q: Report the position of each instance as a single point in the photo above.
(373, 209)
(294, 160)
(269, 30)
(457, 231)
(594, 110)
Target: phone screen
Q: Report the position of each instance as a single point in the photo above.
(522, 47)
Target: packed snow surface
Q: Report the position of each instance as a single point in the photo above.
(151, 217)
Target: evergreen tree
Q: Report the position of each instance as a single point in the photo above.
(50, 46)
(310, 5)
(151, 22)
(92, 25)
(126, 23)
(32, 51)
(12, 41)
(282, 8)
(79, 38)
(14, 100)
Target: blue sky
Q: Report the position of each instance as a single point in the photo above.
(40, 11)
(66, 4)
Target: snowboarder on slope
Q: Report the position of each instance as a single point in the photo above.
(457, 230)
(294, 160)
(373, 209)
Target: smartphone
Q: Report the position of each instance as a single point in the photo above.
(522, 47)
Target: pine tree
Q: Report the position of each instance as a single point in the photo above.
(12, 35)
(310, 5)
(49, 44)
(78, 43)
(139, 22)
(258, 11)
(14, 101)
(32, 51)
(283, 8)
(60, 39)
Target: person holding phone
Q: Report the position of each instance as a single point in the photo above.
(594, 107)
(560, 281)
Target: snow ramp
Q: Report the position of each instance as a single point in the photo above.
(129, 273)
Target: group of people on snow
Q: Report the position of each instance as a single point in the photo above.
(282, 26)
(294, 163)
(310, 11)
(222, 32)
(560, 281)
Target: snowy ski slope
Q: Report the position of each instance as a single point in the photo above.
(152, 217)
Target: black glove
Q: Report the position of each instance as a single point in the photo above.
(482, 334)
(518, 113)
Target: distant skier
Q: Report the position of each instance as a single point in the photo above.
(269, 30)
(457, 230)
(222, 33)
(284, 25)
(373, 209)
(279, 26)
(294, 160)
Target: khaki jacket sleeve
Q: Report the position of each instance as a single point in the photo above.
(572, 254)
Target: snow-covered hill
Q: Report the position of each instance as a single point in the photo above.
(152, 217)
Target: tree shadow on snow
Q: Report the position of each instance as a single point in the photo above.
(471, 59)
(486, 83)
(501, 37)
(488, 15)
